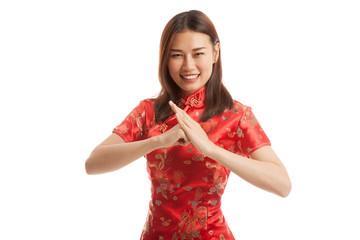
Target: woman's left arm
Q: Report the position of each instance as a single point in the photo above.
(263, 169)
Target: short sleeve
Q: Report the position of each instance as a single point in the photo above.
(134, 125)
(250, 135)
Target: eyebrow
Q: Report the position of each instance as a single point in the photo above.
(194, 50)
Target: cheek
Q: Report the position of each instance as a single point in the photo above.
(206, 66)
(173, 67)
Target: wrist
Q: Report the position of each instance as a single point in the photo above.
(211, 150)
(156, 142)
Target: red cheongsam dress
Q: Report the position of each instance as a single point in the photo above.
(186, 186)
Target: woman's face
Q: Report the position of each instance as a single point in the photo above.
(192, 56)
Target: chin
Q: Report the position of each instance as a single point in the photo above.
(190, 87)
(190, 90)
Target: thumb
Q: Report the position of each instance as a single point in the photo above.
(183, 139)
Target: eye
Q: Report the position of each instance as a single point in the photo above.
(199, 53)
(176, 55)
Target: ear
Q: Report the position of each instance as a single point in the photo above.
(216, 52)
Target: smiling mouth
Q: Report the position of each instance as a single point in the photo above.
(190, 77)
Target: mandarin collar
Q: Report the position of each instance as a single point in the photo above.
(196, 99)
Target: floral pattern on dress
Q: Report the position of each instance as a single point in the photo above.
(186, 186)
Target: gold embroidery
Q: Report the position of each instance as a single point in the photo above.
(250, 117)
(198, 158)
(189, 219)
(193, 102)
(181, 103)
(162, 157)
(122, 128)
(162, 127)
(190, 149)
(239, 132)
(137, 119)
(230, 133)
(239, 146)
(178, 176)
(208, 126)
(232, 149)
(221, 218)
(165, 223)
(211, 165)
(149, 219)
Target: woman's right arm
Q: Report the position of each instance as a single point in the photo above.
(114, 153)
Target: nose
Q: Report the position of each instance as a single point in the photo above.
(189, 63)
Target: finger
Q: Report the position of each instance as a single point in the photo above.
(181, 122)
(183, 139)
(178, 110)
(184, 142)
(186, 139)
(174, 107)
(182, 115)
(186, 119)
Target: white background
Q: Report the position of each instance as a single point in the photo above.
(72, 70)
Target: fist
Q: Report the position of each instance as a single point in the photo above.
(175, 136)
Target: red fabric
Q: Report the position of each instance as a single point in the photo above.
(186, 187)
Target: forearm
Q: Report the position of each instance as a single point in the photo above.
(112, 157)
(265, 175)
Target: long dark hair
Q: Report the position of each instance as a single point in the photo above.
(217, 97)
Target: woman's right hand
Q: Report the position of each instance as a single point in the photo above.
(114, 153)
(175, 136)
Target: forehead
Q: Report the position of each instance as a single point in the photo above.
(190, 40)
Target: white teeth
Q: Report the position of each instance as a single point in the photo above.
(191, 76)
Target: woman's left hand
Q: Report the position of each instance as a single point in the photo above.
(193, 130)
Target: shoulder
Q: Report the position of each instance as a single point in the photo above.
(147, 104)
(239, 108)
(239, 105)
(147, 107)
(144, 109)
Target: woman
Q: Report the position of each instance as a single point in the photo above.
(193, 134)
